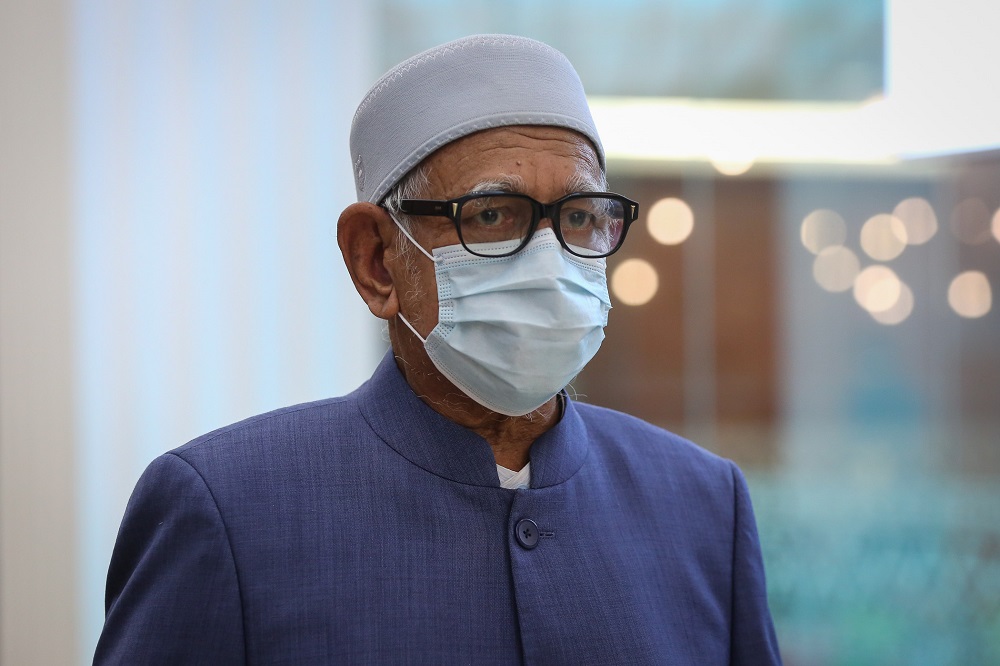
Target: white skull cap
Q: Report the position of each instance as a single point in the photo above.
(450, 91)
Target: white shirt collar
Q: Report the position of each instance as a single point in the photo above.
(514, 480)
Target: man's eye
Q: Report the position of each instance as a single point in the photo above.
(489, 217)
(579, 219)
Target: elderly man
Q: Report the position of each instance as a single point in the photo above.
(459, 507)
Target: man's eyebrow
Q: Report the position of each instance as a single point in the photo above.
(585, 182)
(580, 181)
(502, 183)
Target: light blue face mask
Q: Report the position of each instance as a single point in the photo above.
(513, 331)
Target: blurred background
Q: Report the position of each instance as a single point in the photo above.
(810, 289)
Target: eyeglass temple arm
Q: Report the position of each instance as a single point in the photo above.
(429, 207)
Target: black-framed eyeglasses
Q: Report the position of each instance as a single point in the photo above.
(498, 224)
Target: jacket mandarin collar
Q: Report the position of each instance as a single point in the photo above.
(432, 442)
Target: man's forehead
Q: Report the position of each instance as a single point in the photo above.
(516, 159)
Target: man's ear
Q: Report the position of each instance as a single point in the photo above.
(364, 232)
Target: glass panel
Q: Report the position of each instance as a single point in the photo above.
(835, 331)
(774, 49)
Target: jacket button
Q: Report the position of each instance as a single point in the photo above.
(526, 533)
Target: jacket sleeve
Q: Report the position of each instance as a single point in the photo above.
(172, 592)
(753, 639)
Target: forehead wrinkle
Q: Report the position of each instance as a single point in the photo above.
(581, 181)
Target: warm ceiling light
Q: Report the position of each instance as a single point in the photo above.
(900, 311)
(883, 237)
(969, 294)
(634, 282)
(670, 221)
(917, 215)
(736, 134)
(835, 268)
(877, 288)
(970, 221)
(821, 229)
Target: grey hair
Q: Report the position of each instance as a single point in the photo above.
(584, 181)
(411, 186)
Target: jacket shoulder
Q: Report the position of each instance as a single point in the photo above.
(637, 451)
(287, 441)
(615, 429)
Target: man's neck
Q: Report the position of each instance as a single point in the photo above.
(510, 437)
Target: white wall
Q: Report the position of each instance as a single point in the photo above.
(37, 454)
(172, 178)
(941, 61)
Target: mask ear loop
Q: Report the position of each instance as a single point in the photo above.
(427, 254)
(422, 339)
(411, 239)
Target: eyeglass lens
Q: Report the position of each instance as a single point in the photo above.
(591, 226)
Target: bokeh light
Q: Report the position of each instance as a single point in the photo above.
(835, 268)
(970, 221)
(900, 311)
(732, 166)
(634, 282)
(877, 289)
(821, 229)
(969, 294)
(670, 221)
(996, 225)
(883, 237)
(917, 215)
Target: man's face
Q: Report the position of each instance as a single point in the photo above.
(545, 162)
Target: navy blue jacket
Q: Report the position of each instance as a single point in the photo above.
(369, 529)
